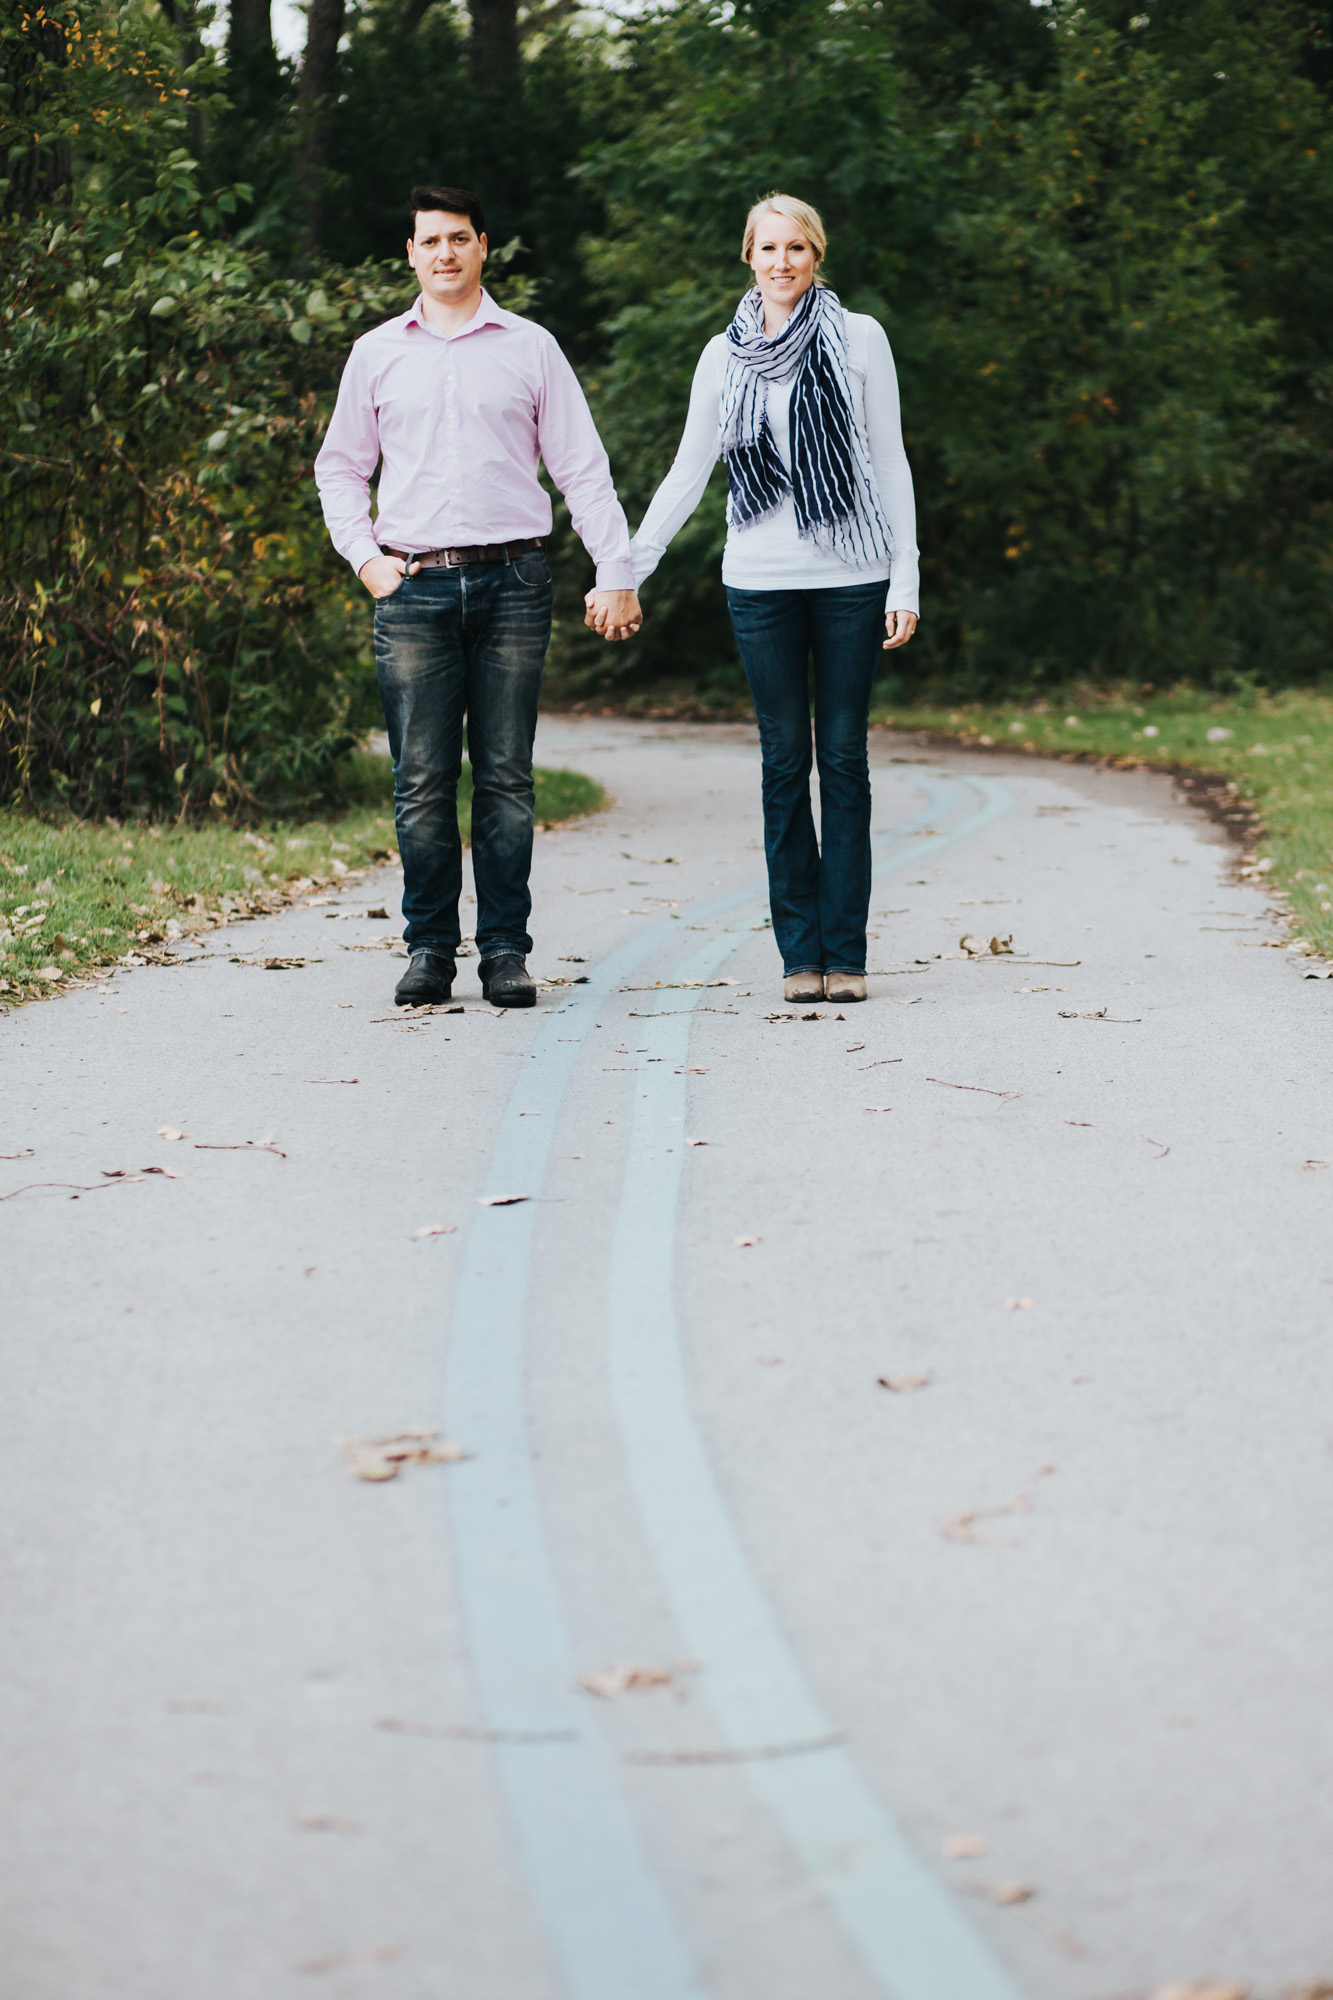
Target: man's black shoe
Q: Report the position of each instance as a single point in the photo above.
(506, 982)
(429, 979)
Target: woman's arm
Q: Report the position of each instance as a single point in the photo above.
(682, 489)
(893, 475)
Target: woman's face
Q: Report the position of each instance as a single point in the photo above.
(783, 261)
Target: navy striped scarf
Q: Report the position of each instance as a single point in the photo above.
(831, 480)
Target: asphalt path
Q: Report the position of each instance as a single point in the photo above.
(1008, 1680)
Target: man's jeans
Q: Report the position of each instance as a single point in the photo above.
(449, 643)
(819, 901)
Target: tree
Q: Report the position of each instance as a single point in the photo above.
(317, 84)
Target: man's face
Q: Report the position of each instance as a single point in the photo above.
(447, 255)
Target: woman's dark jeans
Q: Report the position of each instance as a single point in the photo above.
(450, 643)
(819, 901)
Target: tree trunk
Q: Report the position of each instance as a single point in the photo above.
(495, 43)
(249, 35)
(316, 88)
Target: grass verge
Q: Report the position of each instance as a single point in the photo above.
(80, 897)
(1269, 759)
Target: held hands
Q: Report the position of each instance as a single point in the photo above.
(616, 614)
(900, 626)
(383, 574)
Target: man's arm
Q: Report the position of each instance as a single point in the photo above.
(343, 471)
(576, 459)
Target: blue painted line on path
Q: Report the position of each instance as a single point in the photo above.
(909, 1930)
(611, 1930)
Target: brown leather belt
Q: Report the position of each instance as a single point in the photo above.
(493, 552)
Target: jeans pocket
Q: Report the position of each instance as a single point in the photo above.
(532, 570)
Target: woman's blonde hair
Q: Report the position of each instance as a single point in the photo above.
(800, 212)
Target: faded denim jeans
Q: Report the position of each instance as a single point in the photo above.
(452, 644)
(820, 900)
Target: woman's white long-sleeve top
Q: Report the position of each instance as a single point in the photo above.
(770, 555)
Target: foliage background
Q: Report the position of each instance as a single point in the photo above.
(1099, 240)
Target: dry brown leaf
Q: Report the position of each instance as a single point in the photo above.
(696, 1142)
(433, 1229)
(1006, 1893)
(1205, 1989)
(501, 1200)
(745, 1242)
(169, 1132)
(962, 1527)
(964, 1846)
(903, 1385)
(384, 1458)
(996, 947)
(879, 1107)
(608, 1682)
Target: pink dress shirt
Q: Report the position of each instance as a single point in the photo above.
(460, 422)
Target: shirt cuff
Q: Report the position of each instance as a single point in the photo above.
(363, 552)
(616, 575)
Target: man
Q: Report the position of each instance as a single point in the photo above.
(458, 400)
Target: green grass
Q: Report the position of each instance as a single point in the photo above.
(77, 896)
(1276, 751)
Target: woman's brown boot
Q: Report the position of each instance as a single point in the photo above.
(800, 988)
(845, 986)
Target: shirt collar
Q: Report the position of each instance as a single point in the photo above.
(488, 313)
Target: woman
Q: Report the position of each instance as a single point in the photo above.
(801, 399)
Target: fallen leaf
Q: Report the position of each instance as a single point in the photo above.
(333, 1079)
(500, 1200)
(433, 1229)
(1084, 1122)
(696, 1142)
(338, 1961)
(1018, 1305)
(1213, 1989)
(1006, 1893)
(1313, 1166)
(745, 1242)
(996, 947)
(879, 1107)
(169, 1172)
(854, 1047)
(380, 913)
(1156, 1142)
(169, 1132)
(813, 1017)
(608, 1682)
(384, 1458)
(963, 1846)
(962, 1527)
(903, 1384)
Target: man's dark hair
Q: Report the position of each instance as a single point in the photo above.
(451, 201)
